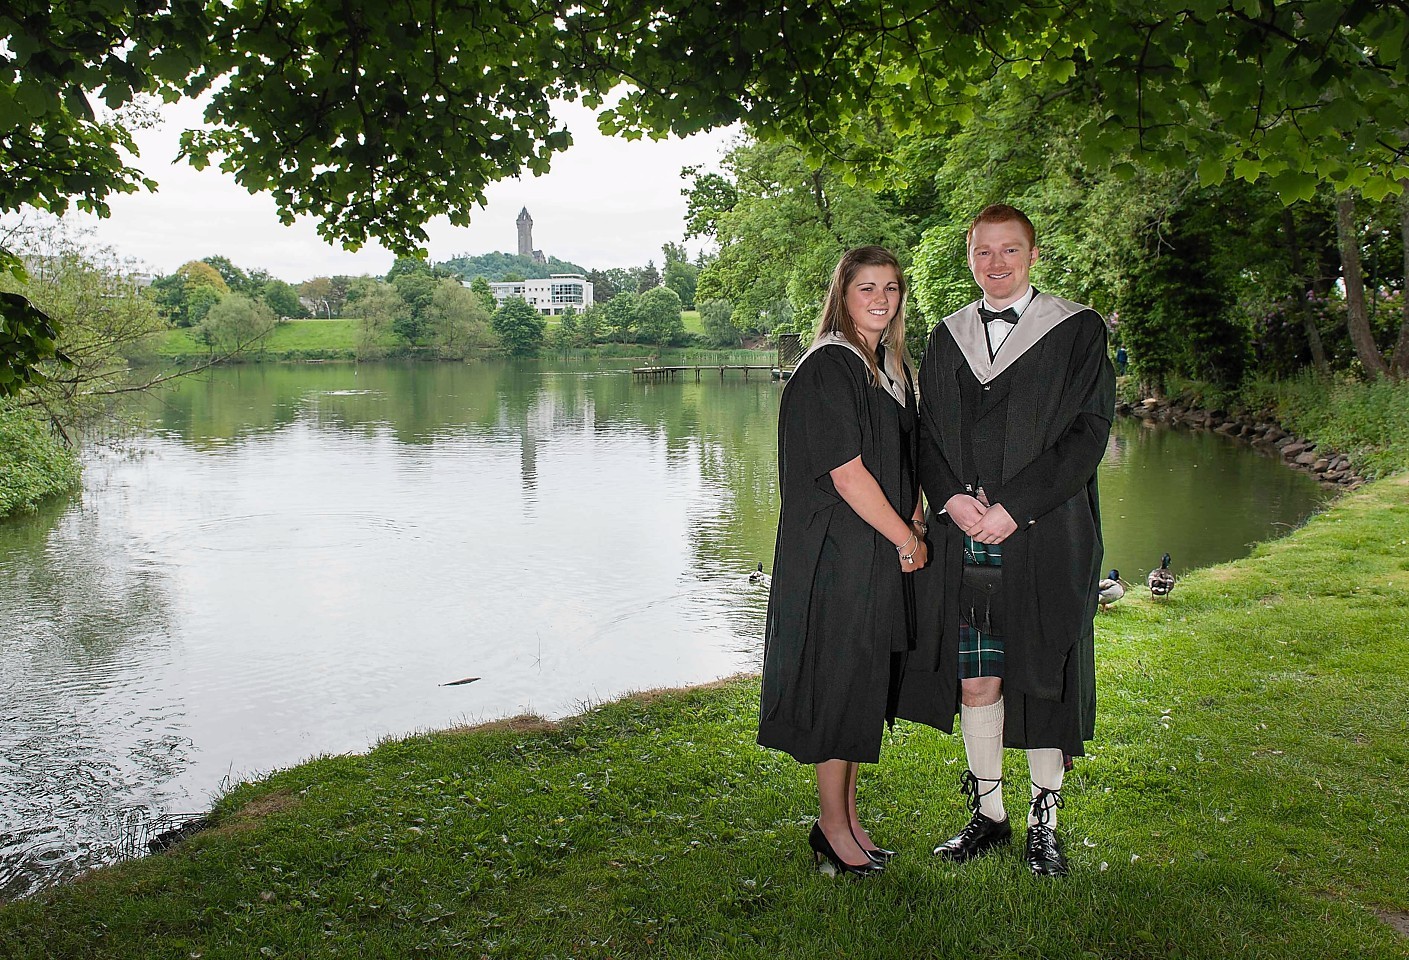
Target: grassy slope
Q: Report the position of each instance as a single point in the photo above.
(1246, 797)
(294, 336)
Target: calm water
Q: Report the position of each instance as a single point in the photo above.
(294, 560)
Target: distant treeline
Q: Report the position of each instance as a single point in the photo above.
(497, 266)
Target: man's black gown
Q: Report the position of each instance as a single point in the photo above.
(839, 606)
(1048, 413)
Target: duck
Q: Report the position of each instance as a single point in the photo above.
(758, 576)
(1161, 580)
(1110, 589)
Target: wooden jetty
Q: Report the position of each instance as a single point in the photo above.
(668, 373)
(789, 352)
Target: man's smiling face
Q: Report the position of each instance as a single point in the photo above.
(1001, 257)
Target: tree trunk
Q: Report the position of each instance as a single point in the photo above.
(1356, 319)
(1399, 360)
(1308, 316)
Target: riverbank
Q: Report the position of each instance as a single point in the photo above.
(1340, 431)
(1245, 796)
(339, 339)
(34, 464)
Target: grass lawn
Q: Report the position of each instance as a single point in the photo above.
(1247, 797)
(296, 338)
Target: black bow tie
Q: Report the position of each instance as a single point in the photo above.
(1007, 313)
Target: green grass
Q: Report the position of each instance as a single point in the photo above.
(1246, 797)
(296, 339)
(693, 323)
(34, 464)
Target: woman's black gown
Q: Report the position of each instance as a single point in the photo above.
(840, 611)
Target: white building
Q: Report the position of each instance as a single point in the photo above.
(551, 296)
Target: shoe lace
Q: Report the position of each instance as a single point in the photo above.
(1044, 803)
(969, 787)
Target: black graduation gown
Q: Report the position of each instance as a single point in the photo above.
(838, 607)
(1060, 397)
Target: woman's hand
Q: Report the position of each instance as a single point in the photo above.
(918, 559)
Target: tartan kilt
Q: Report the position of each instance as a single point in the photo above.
(980, 645)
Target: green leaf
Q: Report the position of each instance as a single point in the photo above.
(1295, 185)
(1247, 168)
(1212, 171)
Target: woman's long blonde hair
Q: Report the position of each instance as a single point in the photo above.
(835, 318)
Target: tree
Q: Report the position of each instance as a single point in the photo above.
(1357, 317)
(457, 318)
(237, 322)
(716, 316)
(565, 335)
(201, 298)
(603, 288)
(680, 274)
(318, 292)
(102, 319)
(708, 196)
(647, 277)
(520, 327)
(169, 294)
(378, 307)
(200, 273)
(589, 326)
(658, 316)
(481, 288)
(619, 316)
(282, 298)
(235, 278)
(783, 204)
(415, 283)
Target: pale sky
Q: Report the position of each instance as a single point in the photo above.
(607, 202)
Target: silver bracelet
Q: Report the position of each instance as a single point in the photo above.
(912, 539)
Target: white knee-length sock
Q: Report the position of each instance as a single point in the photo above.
(983, 743)
(1047, 768)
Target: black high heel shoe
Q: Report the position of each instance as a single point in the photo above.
(835, 865)
(878, 855)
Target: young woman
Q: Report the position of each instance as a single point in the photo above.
(840, 609)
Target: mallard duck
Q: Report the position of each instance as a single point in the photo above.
(1161, 579)
(758, 576)
(1110, 589)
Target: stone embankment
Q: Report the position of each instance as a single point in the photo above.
(1327, 466)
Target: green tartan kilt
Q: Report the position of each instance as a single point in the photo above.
(980, 646)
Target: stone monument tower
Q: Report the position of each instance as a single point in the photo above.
(525, 233)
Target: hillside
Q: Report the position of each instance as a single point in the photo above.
(497, 265)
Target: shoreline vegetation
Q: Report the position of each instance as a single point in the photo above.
(1245, 797)
(35, 465)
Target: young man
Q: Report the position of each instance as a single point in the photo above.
(1017, 394)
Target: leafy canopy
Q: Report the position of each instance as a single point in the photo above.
(373, 118)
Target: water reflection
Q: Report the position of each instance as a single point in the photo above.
(293, 560)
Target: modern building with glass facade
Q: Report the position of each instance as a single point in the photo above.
(550, 296)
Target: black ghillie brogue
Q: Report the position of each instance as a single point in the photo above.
(1044, 854)
(980, 834)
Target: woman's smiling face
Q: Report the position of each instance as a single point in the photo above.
(872, 298)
